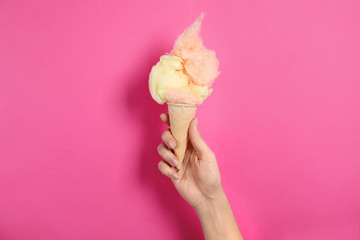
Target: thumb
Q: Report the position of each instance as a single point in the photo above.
(196, 140)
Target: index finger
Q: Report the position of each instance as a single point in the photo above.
(165, 118)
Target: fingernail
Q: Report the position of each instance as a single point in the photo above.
(172, 144)
(175, 176)
(175, 162)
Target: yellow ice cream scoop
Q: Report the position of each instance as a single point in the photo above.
(168, 82)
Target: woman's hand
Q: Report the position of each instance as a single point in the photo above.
(198, 181)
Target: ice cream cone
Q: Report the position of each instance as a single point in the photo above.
(180, 117)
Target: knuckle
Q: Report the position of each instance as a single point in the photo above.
(162, 169)
(165, 135)
(166, 156)
(162, 150)
(160, 146)
(160, 166)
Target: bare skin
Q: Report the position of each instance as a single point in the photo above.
(199, 183)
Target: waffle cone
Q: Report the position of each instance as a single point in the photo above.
(180, 117)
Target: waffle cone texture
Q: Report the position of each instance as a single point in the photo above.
(180, 116)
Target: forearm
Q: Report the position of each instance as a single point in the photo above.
(217, 219)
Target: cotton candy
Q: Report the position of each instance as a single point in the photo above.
(187, 73)
(200, 63)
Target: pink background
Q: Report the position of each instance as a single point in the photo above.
(79, 130)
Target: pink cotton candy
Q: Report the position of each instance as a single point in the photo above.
(200, 63)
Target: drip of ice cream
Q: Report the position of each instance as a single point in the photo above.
(186, 75)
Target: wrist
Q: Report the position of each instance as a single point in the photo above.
(216, 217)
(216, 200)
